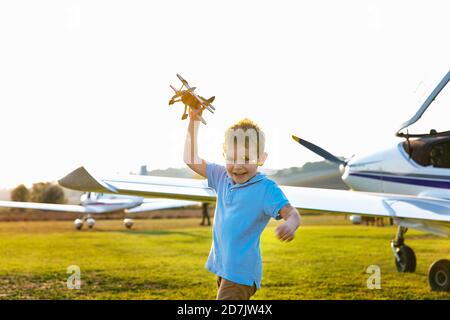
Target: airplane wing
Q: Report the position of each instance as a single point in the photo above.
(94, 208)
(161, 204)
(142, 186)
(427, 214)
(43, 206)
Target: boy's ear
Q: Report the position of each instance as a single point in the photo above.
(262, 159)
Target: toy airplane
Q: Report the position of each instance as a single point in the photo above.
(190, 99)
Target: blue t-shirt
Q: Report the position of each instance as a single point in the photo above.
(242, 213)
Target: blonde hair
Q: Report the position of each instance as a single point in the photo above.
(250, 132)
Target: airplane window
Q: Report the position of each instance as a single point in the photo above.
(418, 150)
(430, 151)
(440, 155)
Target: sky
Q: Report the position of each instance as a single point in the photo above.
(87, 82)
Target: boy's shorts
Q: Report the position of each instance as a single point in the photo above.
(228, 290)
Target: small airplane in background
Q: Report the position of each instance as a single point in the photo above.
(418, 167)
(191, 100)
(396, 184)
(92, 203)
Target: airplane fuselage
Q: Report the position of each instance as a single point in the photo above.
(393, 170)
(111, 202)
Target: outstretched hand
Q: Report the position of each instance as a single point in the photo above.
(285, 231)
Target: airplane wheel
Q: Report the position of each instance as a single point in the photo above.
(78, 223)
(439, 276)
(128, 223)
(90, 223)
(407, 261)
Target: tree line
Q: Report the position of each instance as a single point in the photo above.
(42, 192)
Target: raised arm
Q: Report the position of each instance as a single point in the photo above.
(191, 157)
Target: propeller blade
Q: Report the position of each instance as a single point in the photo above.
(182, 80)
(319, 151)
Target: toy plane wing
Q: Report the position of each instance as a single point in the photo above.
(427, 214)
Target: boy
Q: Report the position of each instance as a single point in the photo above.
(246, 200)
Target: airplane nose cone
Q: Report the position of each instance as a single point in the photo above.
(342, 168)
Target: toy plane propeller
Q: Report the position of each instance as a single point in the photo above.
(191, 100)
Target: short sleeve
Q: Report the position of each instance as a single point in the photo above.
(214, 174)
(274, 201)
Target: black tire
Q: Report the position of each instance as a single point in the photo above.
(439, 275)
(407, 261)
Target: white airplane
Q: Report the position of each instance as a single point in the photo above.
(418, 166)
(101, 203)
(409, 183)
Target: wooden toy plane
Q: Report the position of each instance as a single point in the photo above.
(190, 99)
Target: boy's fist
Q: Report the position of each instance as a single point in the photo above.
(285, 231)
(194, 114)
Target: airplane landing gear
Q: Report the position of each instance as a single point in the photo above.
(78, 223)
(405, 261)
(439, 276)
(405, 258)
(90, 222)
(128, 223)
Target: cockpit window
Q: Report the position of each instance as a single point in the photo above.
(440, 155)
(434, 151)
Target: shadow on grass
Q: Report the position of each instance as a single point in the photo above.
(94, 284)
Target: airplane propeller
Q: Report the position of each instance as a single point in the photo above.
(319, 151)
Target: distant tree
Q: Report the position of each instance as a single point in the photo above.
(45, 192)
(37, 191)
(54, 194)
(20, 193)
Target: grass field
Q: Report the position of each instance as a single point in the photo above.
(164, 259)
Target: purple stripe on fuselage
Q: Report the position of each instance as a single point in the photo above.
(404, 180)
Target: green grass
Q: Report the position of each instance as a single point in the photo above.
(164, 259)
